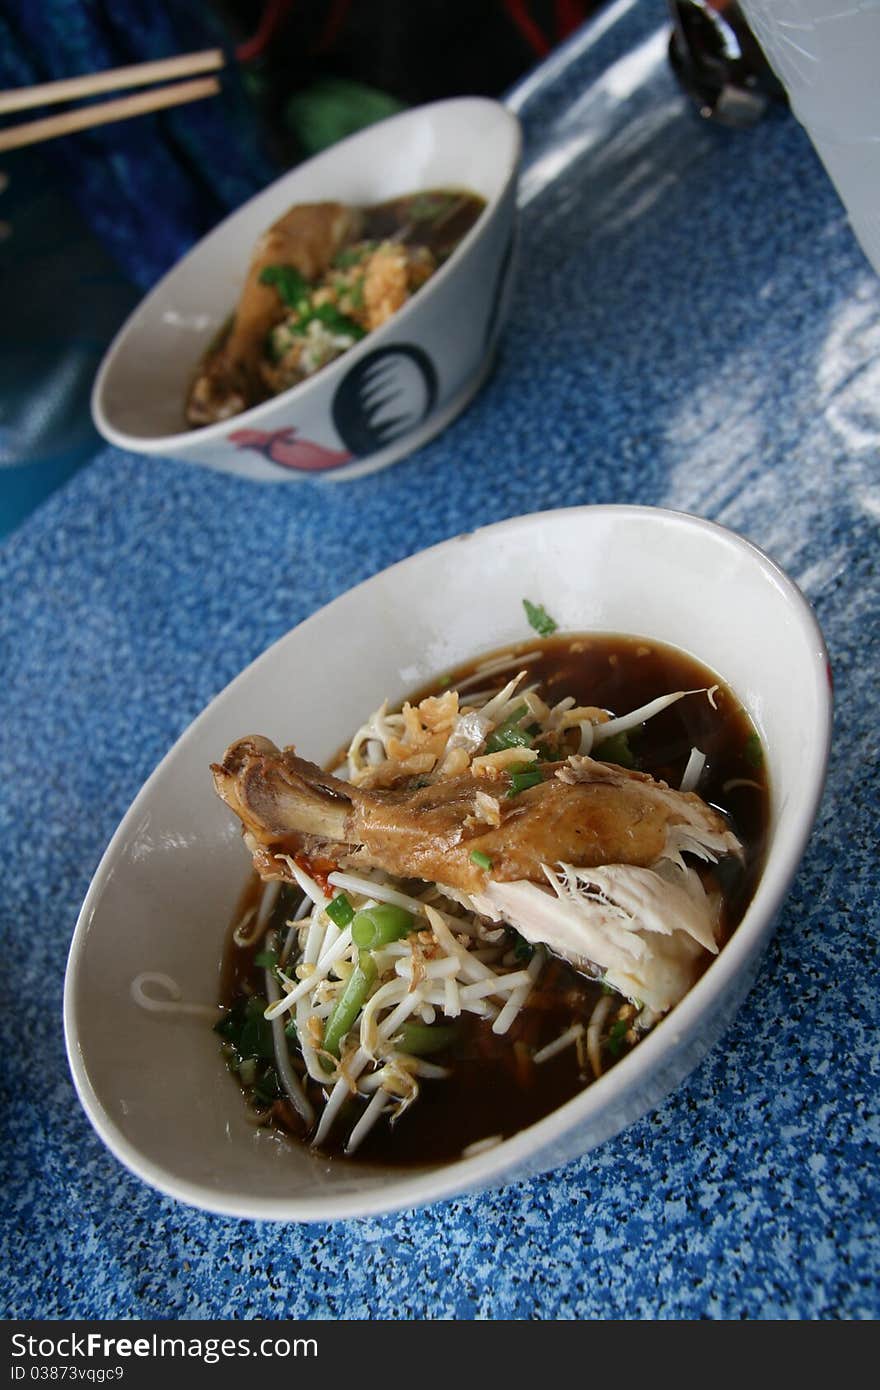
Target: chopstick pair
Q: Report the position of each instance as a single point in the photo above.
(121, 108)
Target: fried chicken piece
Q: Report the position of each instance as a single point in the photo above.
(584, 812)
(307, 238)
(588, 862)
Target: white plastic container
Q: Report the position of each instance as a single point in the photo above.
(828, 59)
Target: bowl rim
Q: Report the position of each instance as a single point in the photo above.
(216, 432)
(406, 1188)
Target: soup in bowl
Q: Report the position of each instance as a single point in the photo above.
(267, 352)
(499, 970)
(502, 890)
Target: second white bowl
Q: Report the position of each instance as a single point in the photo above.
(157, 1090)
(432, 355)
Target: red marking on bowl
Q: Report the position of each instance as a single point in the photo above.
(288, 450)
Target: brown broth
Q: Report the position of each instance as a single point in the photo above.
(496, 1088)
(438, 218)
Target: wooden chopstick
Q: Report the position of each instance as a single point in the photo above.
(91, 83)
(103, 112)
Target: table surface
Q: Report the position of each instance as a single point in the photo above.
(694, 327)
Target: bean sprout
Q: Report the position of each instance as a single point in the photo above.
(173, 1003)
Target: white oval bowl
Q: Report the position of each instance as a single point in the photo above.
(437, 349)
(157, 1090)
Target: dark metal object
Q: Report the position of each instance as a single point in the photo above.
(719, 62)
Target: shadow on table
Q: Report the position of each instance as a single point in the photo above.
(703, 281)
(63, 300)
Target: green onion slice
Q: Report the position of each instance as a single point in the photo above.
(375, 927)
(349, 1004)
(509, 734)
(521, 781)
(423, 1039)
(340, 910)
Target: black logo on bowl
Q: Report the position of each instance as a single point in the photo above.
(387, 394)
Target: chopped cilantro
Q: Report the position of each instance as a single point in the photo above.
(539, 618)
(523, 950)
(617, 1037)
(268, 1088)
(266, 958)
(331, 318)
(287, 280)
(246, 1030)
(616, 750)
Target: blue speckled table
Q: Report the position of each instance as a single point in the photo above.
(694, 327)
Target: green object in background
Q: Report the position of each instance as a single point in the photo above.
(332, 108)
